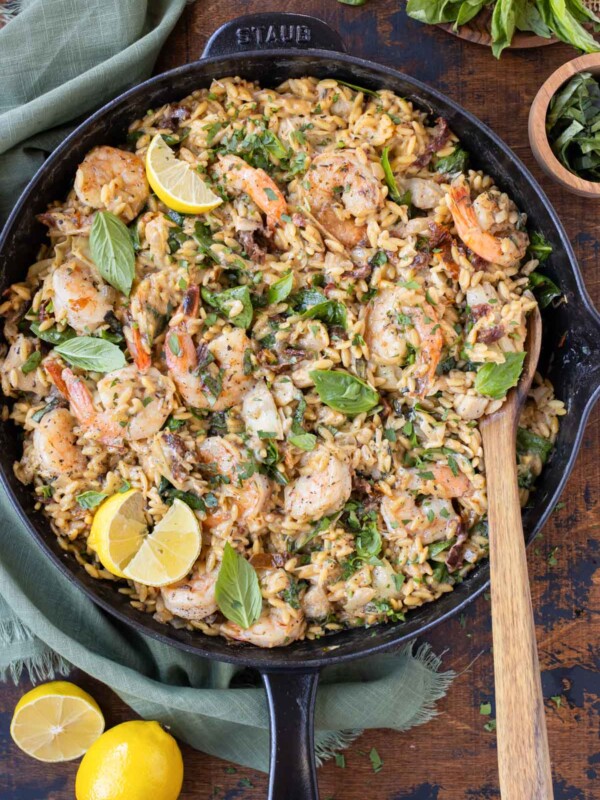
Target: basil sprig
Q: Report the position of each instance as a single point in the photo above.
(88, 352)
(91, 499)
(494, 380)
(223, 301)
(344, 392)
(237, 590)
(312, 304)
(112, 250)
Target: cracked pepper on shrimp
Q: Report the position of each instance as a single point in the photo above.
(305, 365)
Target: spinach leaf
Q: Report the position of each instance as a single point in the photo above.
(344, 392)
(494, 380)
(389, 176)
(223, 301)
(31, 363)
(279, 290)
(573, 126)
(454, 164)
(91, 353)
(544, 288)
(113, 251)
(539, 247)
(529, 442)
(312, 304)
(237, 590)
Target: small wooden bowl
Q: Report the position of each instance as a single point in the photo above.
(538, 138)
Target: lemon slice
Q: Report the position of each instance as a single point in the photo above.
(56, 721)
(118, 530)
(169, 552)
(176, 182)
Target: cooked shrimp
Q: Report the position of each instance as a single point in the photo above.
(432, 519)
(192, 598)
(259, 412)
(55, 445)
(340, 187)
(80, 296)
(315, 602)
(239, 177)
(114, 180)
(323, 488)
(250, 495)
(444, 483)
(151, 400)
(474, 223)
(14, 380)
(68, 222)
(275, 628)
(100, 425)
(224, 362)
(424, 194)
(390, 322)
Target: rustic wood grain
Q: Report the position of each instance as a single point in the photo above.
(521, 729)
(453, 758)
(538, 137)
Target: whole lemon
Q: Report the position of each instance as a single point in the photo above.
(133, 761)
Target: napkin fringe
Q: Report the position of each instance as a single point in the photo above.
(334, 741)
(8, 11)
(37, 659)
(439, 686)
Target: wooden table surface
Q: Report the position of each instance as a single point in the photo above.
(453, 758)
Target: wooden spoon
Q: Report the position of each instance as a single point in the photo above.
(523, 756)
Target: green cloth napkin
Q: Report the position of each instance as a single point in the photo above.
(58, 60)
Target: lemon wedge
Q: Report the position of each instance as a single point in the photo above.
(125, 548)
(118, 530)
(133, 761)
(169, 552)
(56, 721)
(176, 182)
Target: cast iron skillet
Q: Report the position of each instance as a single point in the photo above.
(270, 48)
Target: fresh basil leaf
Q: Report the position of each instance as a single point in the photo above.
(322, 526)
(52, 335)
(305, 441)
(168, 493)
(31, 363)
(113, 251)
(454, 164)
(529, 442)
(279, 290)
(91, 499)
(237, 590)
(494, 380)
(344, 392)
(91, 353)
(435, 548)
(544, 288)
(352, 2)
(223, 301)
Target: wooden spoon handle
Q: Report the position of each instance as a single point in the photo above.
(523, 756)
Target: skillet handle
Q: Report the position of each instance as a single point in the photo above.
(292, 769)
(273, 30)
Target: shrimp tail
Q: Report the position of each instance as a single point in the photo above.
(55, 370)
(82, 406)
(135, 344)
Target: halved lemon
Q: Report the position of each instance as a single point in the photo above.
(56, 721)
(118, 530)
(176, 182)
(121, 539)
(169, 552)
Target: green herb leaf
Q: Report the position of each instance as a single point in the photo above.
(41, 412)
(529, 442)
(368, 542)
(279, 290)
(376, 760)
(544, 288)
(168, 493)
(112, 250)
(223, 301)
(352, 2)
(494, 380)
(31, 363)
(539, 247)
(454, 164)
(485, 709)
(389, 175)
(305, 441)
(52, 335)
(356, 88)
(332, 312)
(344, 392)
(88, 352)
(90, 499)
(237, 591)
